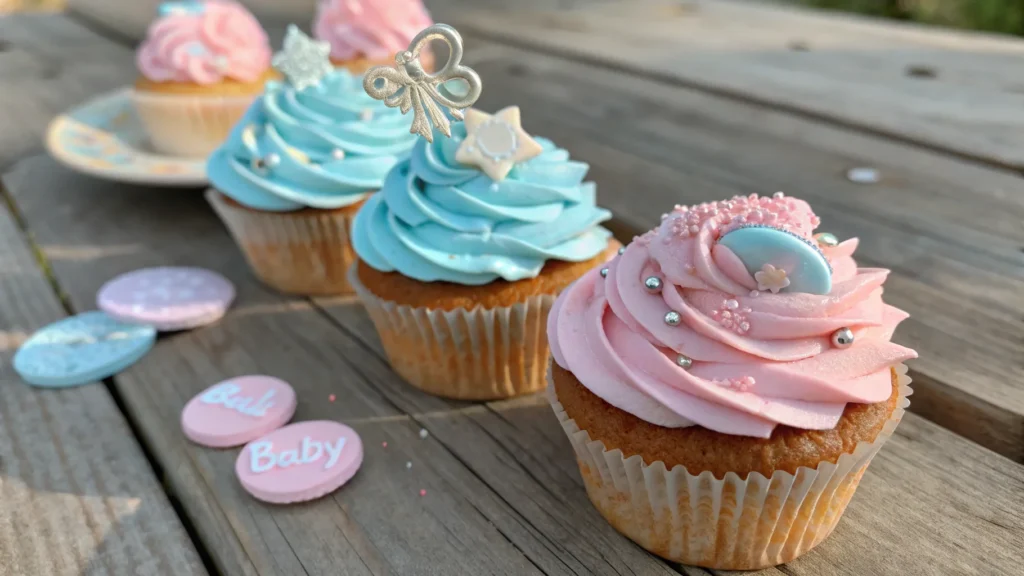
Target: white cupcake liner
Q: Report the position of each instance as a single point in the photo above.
(188, 125)
(728, 523)
(478, 354)
(306, 252)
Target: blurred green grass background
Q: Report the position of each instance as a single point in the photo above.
(1005, 16)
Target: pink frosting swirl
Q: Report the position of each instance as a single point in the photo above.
(759, 359)
(212, 41)
(374, 29)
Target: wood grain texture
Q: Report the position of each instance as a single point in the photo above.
(950, 231)
(503, 494)
(824, 64)
(501, 481)
(76, 493)
(47, 64)
(378, 523)
(924, 478)
(131, 19)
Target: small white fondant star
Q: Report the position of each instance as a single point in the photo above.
(496, 143)
(771, 278)
(303, 61)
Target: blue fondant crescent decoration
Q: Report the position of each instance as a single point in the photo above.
(806, 267)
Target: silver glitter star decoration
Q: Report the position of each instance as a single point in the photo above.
(303, 61)
(407, 86)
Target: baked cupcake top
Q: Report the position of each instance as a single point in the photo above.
(368, 28)
(313, 141)
(732, 316)
(204, 43)
(446, 214)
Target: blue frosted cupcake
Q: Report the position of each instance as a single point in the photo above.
(464, 249)
(295, 170)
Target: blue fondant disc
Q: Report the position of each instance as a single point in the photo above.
(81, 349)
(806, 267)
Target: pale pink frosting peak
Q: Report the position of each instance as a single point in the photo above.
(219, 40)
(759, 359)
(371, 28)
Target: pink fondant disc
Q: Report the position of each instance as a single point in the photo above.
(168, 298)
(300, 462)
(238, 410)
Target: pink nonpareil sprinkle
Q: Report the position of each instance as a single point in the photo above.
(331, 398)
(384, 444)
(423, 492)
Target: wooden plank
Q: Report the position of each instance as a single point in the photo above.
(891, 514)
(950, 231)
(512, 466)
(843, 68)
(376, 524)
(47, 64)
(130, 20)
(77, 495)
(102, 229)
(508, 461)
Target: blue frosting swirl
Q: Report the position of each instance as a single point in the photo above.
(304, 129)
(438, 220)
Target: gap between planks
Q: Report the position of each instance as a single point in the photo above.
(106, 504)
(696, 148)
(108, 384)
(738, 50)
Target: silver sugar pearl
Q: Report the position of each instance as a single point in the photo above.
(604, 272)
(262, 165)
(338, 154)
(622, 250)
(842, 338)
(827, 239)
(672, 318)
(684, 361)
(653, 284)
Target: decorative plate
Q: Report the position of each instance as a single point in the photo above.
(104, 138)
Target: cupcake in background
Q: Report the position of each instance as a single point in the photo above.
(307, 153)
(726, 380)
(462, 252)
(200, 66)
(365, 33)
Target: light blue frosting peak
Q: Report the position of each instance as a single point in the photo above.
(438, 220)
(304, 128)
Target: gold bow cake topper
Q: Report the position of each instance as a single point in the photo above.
(408, 86)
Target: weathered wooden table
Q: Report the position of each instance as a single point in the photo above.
(670, 103)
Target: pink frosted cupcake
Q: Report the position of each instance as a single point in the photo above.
(726, 380)
(365, 33)
(201, 65)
